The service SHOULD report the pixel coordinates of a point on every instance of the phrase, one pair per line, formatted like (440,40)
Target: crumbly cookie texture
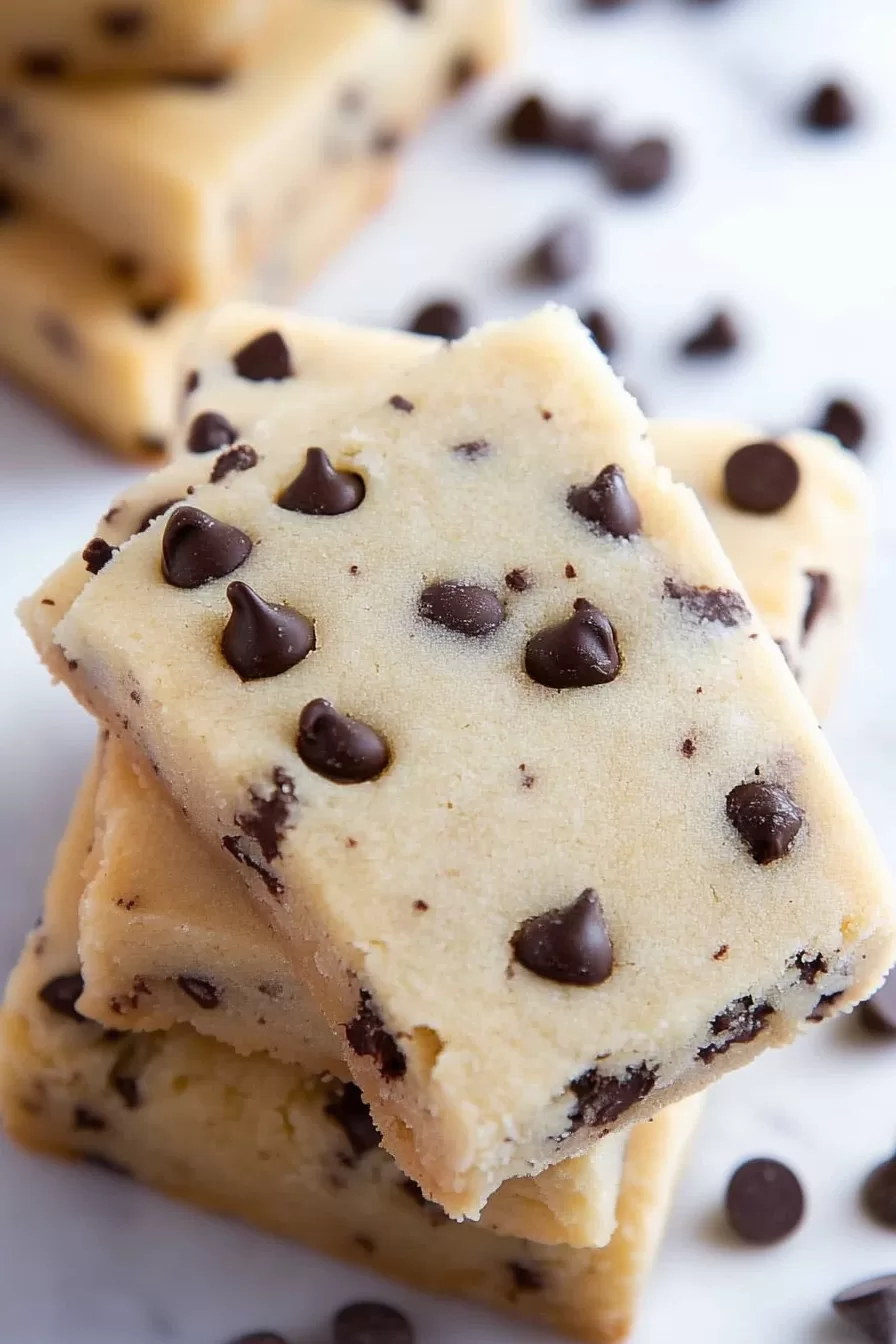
(189,181)
(509,600)
(293,1153)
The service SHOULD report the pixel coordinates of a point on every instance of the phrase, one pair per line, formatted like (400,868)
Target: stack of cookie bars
(159,156)
(457,816)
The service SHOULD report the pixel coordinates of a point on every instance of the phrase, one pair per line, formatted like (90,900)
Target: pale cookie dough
(495,823)
(189,183)
(293,1153)
(52,39)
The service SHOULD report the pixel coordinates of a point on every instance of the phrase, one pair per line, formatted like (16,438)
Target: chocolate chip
(266,358)
(602,1098)
(738,1024)
(764,1201)
(463,607)
(473,451)
(235,846)
(878,1014)
(59,335)
(202,992)
(196,548)
(386,142)
(210,431)
(321,490)
(721,952)
(411,6)
(62,993)
(640,167)
(125,1072)
(341,749)
(845,421)
(155,512)
(600,329)
(579,652)
(367,1035)
(241,458)
(879,1194)
(122,22)
(824,1007)
(270,814)
(561,254)
(263,639)
(830,107)
(719,606)
(526,1279)
(463,69)
(97,554)
(152,311)
(871,1308)
(688,748)
(607,503)
(352,1114)
(191,382)
(8,203)
(766,818)
(761,477)
(569,945)
(570,572)
(809,967)
(442,317)
(536,124)
(84,1118)
(718,336)
(43,63)
(518,580)
(401,404)
(371,1323)
(819,597)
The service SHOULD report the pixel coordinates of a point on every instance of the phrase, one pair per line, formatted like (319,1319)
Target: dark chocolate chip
(600,329)
(84,1118)
(845,421)
(442,317)
(122,22)
(210,431)
(321,490)
(640,167)
(411,6)
(830,107)
(202,992)
(372,1322)
(878,1014)
(718,336)
(579,652)
(241,458)
(43,63)
(738,1024)
(152,311)
(124,1074)
(463,69)
(601,1098)
(561,254)
(155,512)
(526,1279)
(367,1035)
(197,548)
(569,945)
(341,749)
(518,580)
(761,477)
(473,451)
(8,203)
(401,404)
(463,607)
(764,1201)
(265,358)
(263,639)
(269,815)
(97,554)
(825,1006)
(59,335)
(718,606)
(879,1194)
(819,597)
(191,382)
(535,123)
(62,993)
(352,1114)
(607,503)
(688,748)
(871,1308)
(766,818)
(809,967)
(235,846)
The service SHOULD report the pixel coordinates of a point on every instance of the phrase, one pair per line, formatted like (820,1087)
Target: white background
(796,233)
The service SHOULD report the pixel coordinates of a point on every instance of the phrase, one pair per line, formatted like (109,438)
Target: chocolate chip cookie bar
(294,1153)
(199,39)
(494,574)
(187,183)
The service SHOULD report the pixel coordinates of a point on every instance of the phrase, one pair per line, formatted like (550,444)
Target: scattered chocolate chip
(265,358)
(196,548)
(766,818)
(569,945)
(411,6)
(367,1035)
(152,311)
(600,329)
(43,63)
(463,69)
(352,1114)
(463,607)
(845,421)
(871,1308)
(84,1118)
(638,168)
(579,652)
(824,1007)
(210,431)
(570,572)
(718,336)
(241,458)
(607,503)
(809,967)
(764,1201)
(191,382)
(819,597)
(830,107)
(8,203)
(401,404)
(341,749)
(526,1279)
(62,993)
(561,254)
(688,748)
(263,639)
(738,1024)
(879,1194)
(122,22)
(202,992)
(371,1322)
(321,490)
(443,318)
(718,606)
(601,1099)
(878,1014)
(155,512)
(97,554)
(270,814)
(761,477)
(518,580)
(59,335)
(235,846)
(125,1072)
(420,906)
(536,124)
(720,953)
(473,451)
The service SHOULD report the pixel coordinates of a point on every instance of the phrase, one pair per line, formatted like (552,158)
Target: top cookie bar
(505,651)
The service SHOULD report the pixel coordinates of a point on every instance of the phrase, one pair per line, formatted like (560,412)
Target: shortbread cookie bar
(187,184)
(293,1153)
(467,586)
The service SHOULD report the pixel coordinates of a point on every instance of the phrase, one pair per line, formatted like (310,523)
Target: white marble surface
(797,234)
